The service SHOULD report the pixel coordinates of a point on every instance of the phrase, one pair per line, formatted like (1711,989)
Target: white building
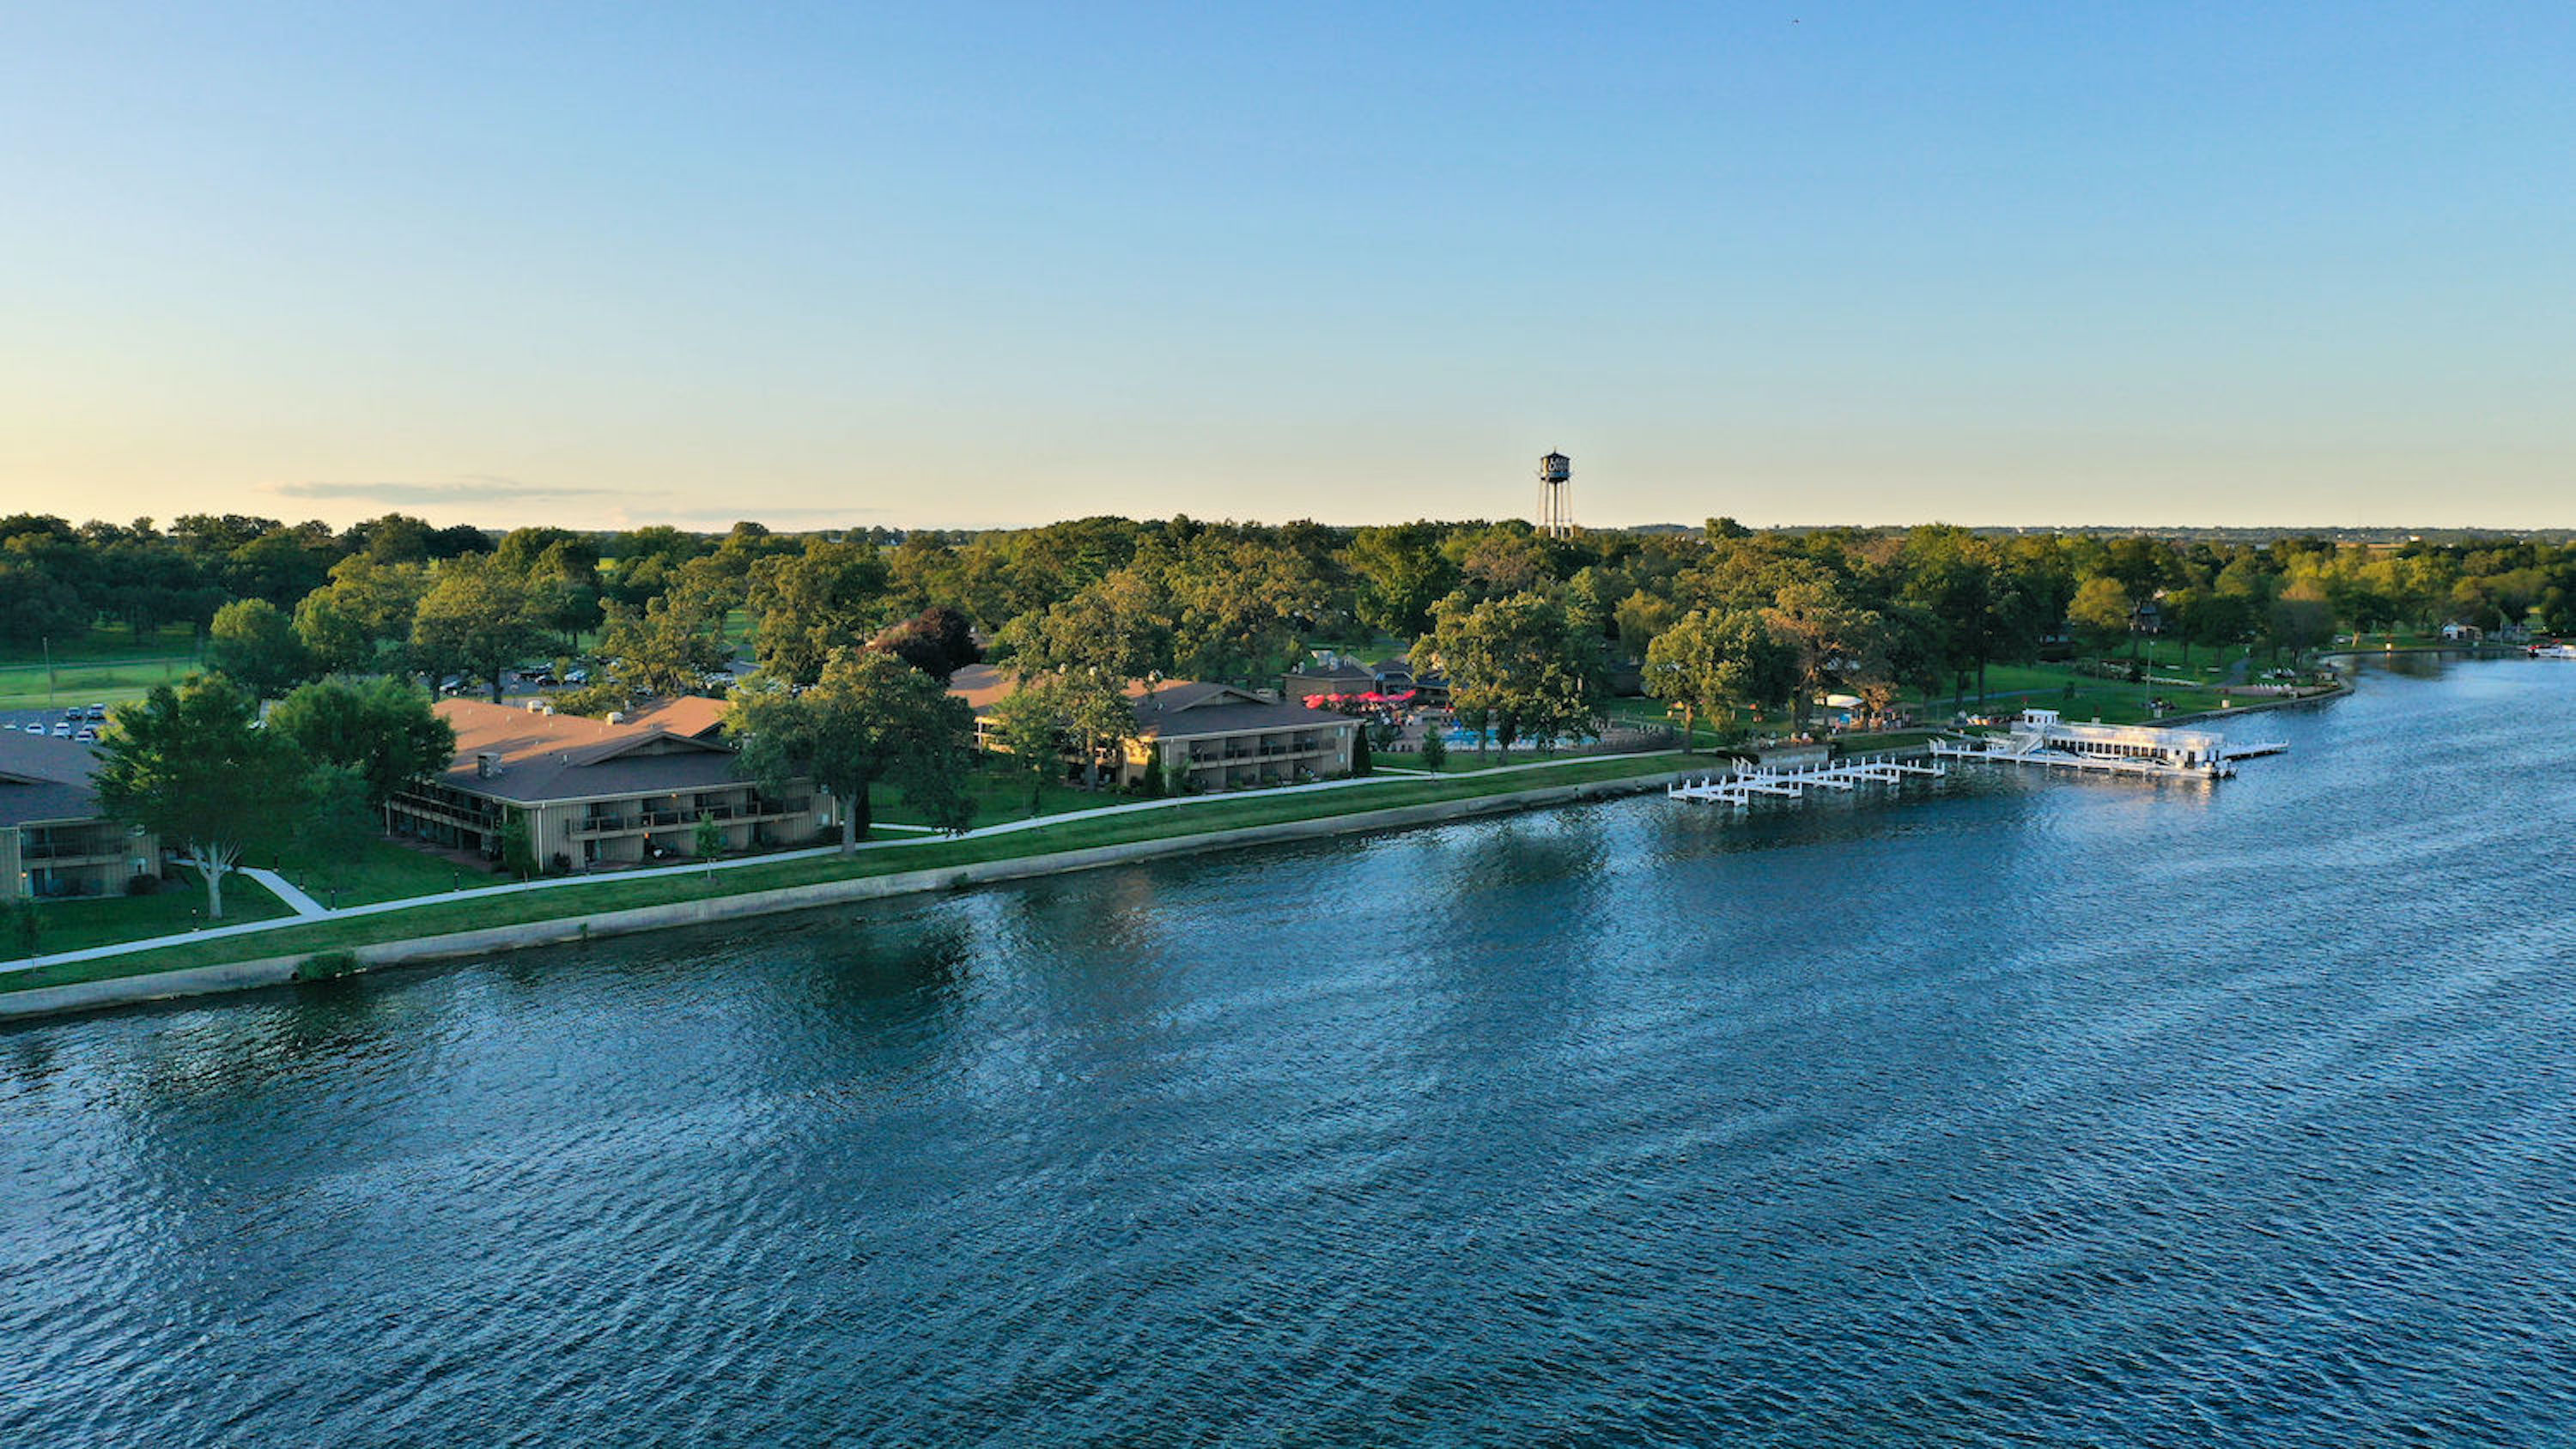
(2042,732)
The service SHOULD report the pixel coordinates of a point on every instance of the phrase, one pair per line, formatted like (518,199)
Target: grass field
(33,686)
(104,666)
(380,870)
(180,905)
(1000,795)
(621,893)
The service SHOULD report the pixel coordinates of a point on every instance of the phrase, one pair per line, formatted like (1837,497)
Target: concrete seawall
(276,970)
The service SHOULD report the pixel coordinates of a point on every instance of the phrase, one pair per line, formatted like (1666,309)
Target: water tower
(1555,507)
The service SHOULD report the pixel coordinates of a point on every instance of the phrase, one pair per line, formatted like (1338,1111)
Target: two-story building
(594,792)
(1201,737)
(53,840)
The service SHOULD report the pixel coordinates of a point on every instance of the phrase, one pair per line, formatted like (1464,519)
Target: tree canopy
(192,766)
(869,717)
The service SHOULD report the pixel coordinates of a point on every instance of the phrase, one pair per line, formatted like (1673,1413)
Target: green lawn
(1000,794)
(33,686)
(2011,687)
(1255,808)
(104,666)
(380,870)
(103,644)
(180,905)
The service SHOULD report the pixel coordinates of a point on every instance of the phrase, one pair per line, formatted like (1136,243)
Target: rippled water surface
(2016,1110)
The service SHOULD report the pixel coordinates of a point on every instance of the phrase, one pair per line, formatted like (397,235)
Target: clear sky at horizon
(947,265)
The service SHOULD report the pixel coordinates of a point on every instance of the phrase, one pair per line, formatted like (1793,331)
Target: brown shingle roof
(1171,709)
(693,715)
(566,757)
(982,686)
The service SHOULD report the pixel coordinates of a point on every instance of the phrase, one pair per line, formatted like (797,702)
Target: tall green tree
(476,618)
(669,646)
(830,596)
(869,717)
(1032,726)
(385,731)
(192,766)
(1237,606)
(1517,667)
(358,622)
(2100,614)
(253,642)
(333,828)
(1836,643)
(1401,573)
(1709,663)
(938,641)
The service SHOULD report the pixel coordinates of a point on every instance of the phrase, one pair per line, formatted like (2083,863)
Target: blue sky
(999,264)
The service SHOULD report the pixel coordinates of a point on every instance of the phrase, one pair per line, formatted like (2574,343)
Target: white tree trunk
(215,864)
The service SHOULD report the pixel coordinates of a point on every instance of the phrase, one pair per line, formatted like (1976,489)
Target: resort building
(53,841)
(1330,674)
(2042,732)
(593,792)
(1198,737)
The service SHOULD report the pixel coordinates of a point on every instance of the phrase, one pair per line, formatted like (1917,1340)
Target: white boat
(2553,651)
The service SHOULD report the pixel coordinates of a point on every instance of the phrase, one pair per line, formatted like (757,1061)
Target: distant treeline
(1186,598)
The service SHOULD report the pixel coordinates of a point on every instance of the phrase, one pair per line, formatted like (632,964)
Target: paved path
(302,916)
(303,904)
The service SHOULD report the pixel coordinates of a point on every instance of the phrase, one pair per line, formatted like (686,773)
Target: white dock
(1738,787)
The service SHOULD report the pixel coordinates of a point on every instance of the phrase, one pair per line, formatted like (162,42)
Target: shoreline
(278,968)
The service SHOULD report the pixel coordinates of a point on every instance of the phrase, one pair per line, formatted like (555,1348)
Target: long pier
(1738,787)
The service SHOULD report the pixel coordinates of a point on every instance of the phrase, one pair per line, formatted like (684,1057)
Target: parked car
(577,676)
(62,731)
(87,736)
(98,712)
(35,729)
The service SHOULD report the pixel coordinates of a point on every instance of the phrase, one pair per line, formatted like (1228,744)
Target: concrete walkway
(308,910)
(302,904)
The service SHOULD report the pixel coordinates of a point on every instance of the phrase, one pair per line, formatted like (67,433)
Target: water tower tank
(1555,468)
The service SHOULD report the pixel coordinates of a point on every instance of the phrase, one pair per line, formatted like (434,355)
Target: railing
(1264,750)
(49,850)
(596,825)
(471,820)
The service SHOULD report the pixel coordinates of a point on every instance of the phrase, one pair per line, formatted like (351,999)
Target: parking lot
(19,719)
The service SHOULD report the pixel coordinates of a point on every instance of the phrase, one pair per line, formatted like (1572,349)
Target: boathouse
(2042,730)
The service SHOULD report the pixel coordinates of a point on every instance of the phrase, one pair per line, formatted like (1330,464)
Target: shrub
(328,966)
(142,883)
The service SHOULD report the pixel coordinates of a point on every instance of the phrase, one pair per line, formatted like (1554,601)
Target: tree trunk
(854,820)
(1688,715)
(207,864)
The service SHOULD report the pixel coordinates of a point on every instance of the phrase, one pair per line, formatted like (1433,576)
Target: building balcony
(645,822)
(1265,750)
(76,845)
(463,817)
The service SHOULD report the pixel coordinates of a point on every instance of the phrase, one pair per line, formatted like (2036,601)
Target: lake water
(2018,1109)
